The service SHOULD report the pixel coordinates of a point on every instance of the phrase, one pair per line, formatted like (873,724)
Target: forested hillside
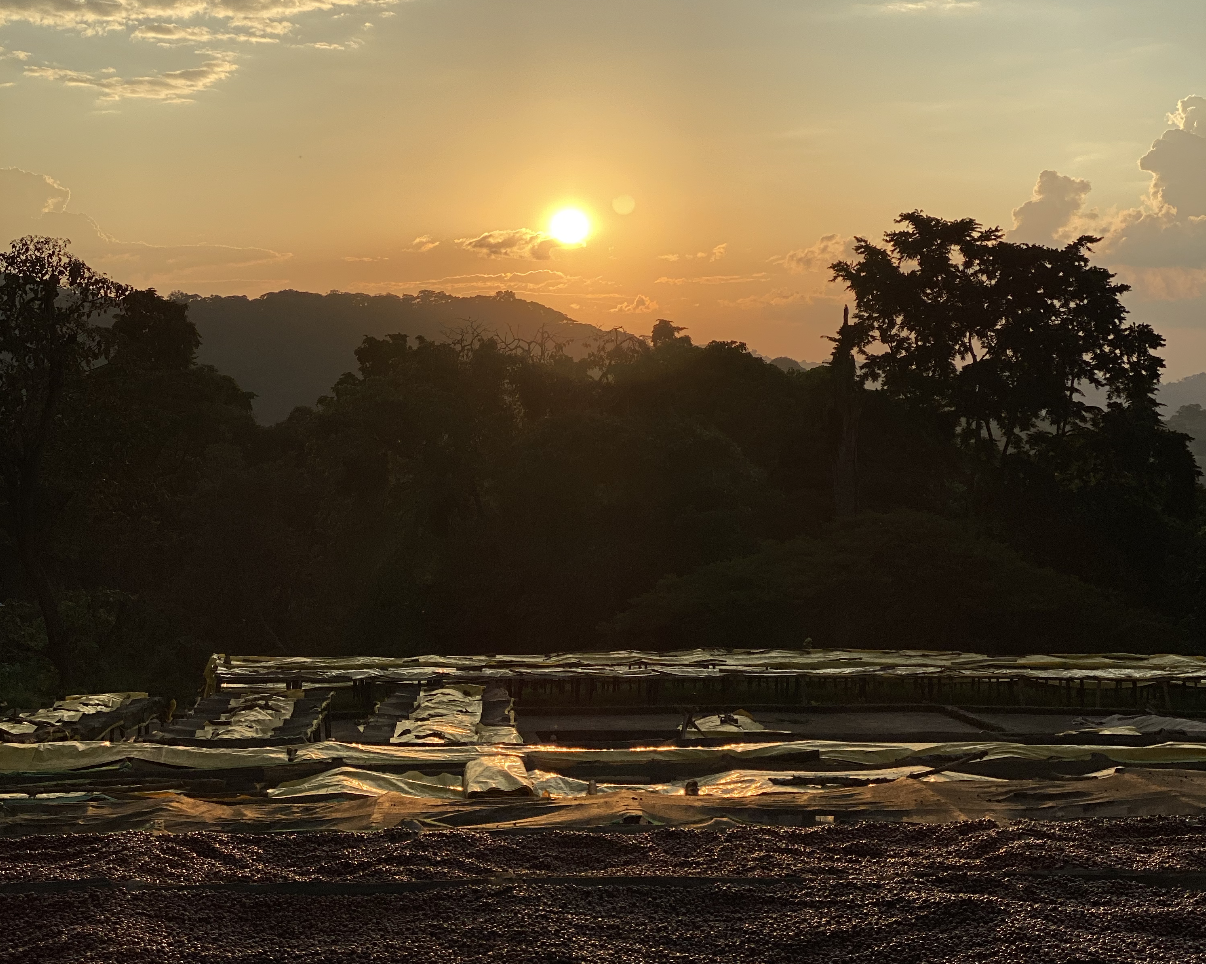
(939,483)
(288,347)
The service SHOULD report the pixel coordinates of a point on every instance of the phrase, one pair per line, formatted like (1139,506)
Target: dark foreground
(1123,890)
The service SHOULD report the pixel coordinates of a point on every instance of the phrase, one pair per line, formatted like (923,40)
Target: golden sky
(242,146)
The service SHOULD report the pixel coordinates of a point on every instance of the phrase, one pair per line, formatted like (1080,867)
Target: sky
(725,151)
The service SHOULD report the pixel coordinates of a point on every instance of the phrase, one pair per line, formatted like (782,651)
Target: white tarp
(253,716)
(348,781)
(497,775)
(1112,668)
(74,708)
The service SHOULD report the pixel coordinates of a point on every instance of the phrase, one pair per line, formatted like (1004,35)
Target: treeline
(939,484)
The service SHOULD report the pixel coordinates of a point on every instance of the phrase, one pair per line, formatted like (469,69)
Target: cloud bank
(32,203)
(1158,246)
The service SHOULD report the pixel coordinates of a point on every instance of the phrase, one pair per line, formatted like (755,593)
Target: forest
(942,482)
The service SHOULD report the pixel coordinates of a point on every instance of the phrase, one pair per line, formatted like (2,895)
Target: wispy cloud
(715,254)
(172,23)
(174,35)
(173,86)
(818,257)
(424,242)
(779,297)
(929,6)
(103,16)
(716,279)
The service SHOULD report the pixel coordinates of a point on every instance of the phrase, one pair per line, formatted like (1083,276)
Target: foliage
(491,490)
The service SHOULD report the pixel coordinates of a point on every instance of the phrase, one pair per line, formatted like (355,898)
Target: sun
(569,226)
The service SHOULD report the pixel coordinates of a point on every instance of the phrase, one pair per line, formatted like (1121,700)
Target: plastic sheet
(490,776)
(1139,726)
(1109,667)
(348,781)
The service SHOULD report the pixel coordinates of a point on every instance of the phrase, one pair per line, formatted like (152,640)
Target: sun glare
(569,226)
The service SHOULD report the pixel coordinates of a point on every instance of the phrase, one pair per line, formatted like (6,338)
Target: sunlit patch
(624,204)
(569,226)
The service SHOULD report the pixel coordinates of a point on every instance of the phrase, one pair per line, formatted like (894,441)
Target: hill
(289,347)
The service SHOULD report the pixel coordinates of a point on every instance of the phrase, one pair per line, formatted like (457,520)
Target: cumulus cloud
(32,203)
(830,248)
(638,306)
(173,86)
(1159,246)
(424,242)
(1055,202)
(1177,160)
(515,243)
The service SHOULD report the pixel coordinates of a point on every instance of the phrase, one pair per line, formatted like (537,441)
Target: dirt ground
(1120,890)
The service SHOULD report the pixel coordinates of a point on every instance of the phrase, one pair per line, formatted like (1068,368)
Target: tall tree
(992,339)
(48,302)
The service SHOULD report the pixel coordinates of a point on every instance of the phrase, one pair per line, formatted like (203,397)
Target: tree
(48,300)
(991,339)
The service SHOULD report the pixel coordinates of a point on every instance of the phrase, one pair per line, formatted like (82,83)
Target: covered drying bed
(56,787)
(249,718)
(721,679)
(98,716)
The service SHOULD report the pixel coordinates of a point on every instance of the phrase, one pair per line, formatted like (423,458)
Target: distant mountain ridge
(290,347)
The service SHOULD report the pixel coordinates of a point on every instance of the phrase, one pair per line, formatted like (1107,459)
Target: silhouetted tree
(48,300)
(992,339)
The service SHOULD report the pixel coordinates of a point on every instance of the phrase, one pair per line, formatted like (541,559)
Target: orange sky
(250,145)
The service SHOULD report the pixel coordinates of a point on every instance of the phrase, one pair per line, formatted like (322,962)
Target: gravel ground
(1126,890)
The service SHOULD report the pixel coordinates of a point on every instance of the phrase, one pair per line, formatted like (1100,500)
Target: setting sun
(569,226)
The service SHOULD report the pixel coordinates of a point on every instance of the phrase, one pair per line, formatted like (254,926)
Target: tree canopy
(939,483)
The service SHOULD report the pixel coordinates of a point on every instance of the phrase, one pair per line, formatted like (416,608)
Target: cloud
(639,305)
(172,35)
(1165,284)
(424,243)
(717,279)
(1159,246)
(173,86)
(929,6)
(772,299)
(1055,202)
(26,196)
(830,248)
(102,16)
(1177,160)
(170,23)
(515,243)
(715,254)
(33,203)
(14,54)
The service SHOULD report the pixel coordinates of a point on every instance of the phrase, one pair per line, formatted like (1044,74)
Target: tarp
(497,775)
(348,781)
(1107,667)
(1119,725)
(1127,793)
(73,755)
